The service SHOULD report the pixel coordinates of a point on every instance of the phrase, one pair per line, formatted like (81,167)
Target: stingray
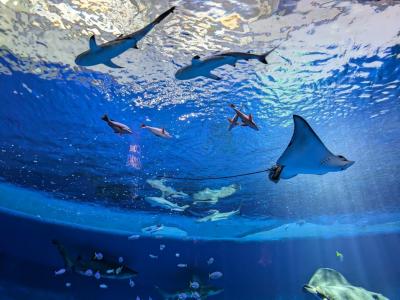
(328,284)
(306,154)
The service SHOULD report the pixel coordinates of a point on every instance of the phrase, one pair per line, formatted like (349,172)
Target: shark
(306,154)
(106,269)
(164,203)
(104,53)
(117,126)
(216,215)
(211,196)
(203,67)
(202,293)
(247,120)
(166,191)
(329,284)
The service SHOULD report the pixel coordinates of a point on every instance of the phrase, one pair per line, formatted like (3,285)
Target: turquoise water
(65,175)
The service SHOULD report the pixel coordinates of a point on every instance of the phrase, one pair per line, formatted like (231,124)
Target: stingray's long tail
(213,178)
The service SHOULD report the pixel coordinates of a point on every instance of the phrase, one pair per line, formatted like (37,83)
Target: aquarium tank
(189,149)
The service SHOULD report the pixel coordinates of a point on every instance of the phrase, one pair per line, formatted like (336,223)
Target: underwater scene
(221,149)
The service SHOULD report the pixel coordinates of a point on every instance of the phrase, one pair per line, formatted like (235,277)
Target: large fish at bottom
(102,54)
(104,268)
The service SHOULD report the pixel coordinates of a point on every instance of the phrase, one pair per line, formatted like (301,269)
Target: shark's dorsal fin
(92,43)
(195,59)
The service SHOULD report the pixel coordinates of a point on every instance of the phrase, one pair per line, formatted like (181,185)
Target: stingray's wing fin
(305,150)
(287,174)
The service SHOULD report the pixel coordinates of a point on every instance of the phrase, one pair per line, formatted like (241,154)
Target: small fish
(98,256)
(210,261)
(131,283)
(182,265)
(177,255)
(137,298)
(194,285)
(182,296)
(103,286)
(117,126)
(120,259)
(196,295)
(89,272)
(118,270)
(134,237)
(59,272)
(68,284)
(162,247)
(160,132)
(153,256)
(110,271)
(97,275)
(215,275)
(339,255)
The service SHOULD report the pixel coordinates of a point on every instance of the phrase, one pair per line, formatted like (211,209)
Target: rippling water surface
(337,66)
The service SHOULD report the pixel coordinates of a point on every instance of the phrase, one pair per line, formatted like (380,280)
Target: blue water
(64,175)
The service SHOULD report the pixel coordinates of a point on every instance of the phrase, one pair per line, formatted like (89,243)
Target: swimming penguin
(104,53)
(116,126)
(160,132)
(247,120)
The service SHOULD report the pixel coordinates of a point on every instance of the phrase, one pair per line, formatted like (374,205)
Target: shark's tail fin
(263,57)
(105,118)
(163,15)
(232,105)
(185,207)
(67,260)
